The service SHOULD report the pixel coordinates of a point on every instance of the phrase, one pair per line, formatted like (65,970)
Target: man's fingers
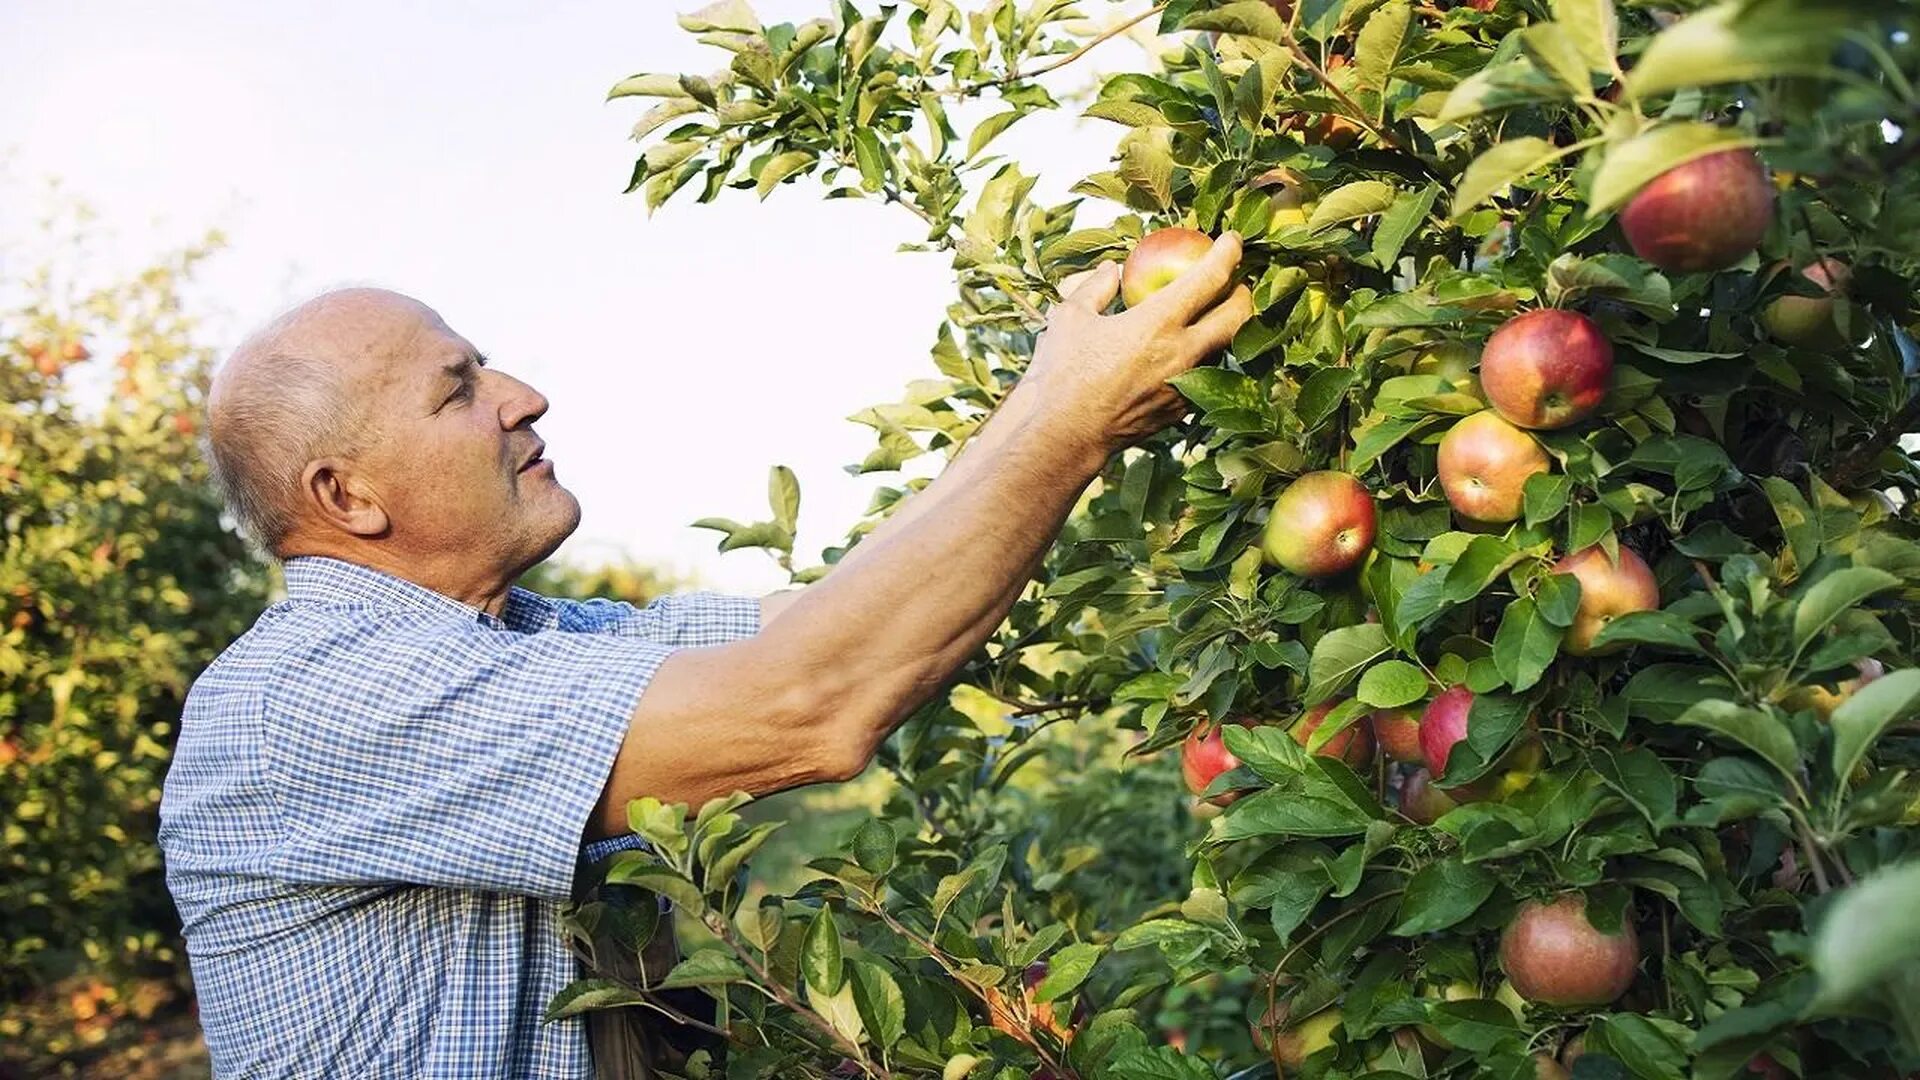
(1216,328)
(1092,290)
(1196,289)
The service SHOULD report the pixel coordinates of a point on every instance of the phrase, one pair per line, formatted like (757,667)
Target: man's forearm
(928,587)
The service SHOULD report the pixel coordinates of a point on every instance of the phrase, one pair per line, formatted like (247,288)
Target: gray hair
(264,424)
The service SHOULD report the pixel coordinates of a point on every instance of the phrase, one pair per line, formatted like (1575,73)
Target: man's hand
(1105,376)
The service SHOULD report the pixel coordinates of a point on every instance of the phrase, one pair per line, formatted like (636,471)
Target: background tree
(1580,367)
(118,581)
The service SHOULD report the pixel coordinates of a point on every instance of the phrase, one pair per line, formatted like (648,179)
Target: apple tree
(1526,600)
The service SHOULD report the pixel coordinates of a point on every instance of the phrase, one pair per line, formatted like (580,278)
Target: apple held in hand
(1607,590)
(1484,463)
(1546,369)
(1706,214)
(1321,525)
(1807,321)
(1353,744)
(1556,957)
(1157,259)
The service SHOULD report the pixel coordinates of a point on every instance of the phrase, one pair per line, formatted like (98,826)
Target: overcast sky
(462,153)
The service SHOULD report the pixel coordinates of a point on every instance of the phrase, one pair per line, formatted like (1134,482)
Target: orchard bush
(1529,596)
(118,582)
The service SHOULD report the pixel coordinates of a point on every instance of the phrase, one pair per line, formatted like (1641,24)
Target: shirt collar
(328,580)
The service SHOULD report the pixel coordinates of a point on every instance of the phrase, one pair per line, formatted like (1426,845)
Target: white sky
(462,153)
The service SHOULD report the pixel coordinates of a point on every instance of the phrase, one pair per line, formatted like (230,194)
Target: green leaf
(1322,393)
(1558,596)
(1483,561)
(1638,1043)
(1740,41)
(1593,27)
(1378,46)
(780,168)
(988,129)
(1492,723)
(708,967)
(1176,933)
(783,495)
(1797,519)
(1067,969)
(1867,934)
(1390,684)
(1641,778)
(1751,728)
(1215,389)
(1502,86)
(1663,692)
(1475,1025)
(1275,812)
(665,86)
(1359,199)
(657,878)
(1126,111)
(820,962)
(1554,52)
(1404,218)
(1545,495)
(1832,596)
(1734,788)
(1525,644)
(1247,18)
(1340,655)
(883,1008)
(1860,720)
(1442,894)
(725,16)
(1515,159)
(1631,165)
(721,870)
(1661,629)
(585,995)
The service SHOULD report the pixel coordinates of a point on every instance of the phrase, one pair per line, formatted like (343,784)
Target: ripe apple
(1204,756)
(1706,214)
(1353,745)
(1606,590)
(1398,733)
(1321,525)
(1442,724)
(183,423)
(48,365)
(1453,361)
(1484,463)
(1421,801)
(1457,990)
(73,352)
(1808,320)
(1287,196)
(1291,1045)
(1546,368)
(1157,259)
(1556,957)
(1823,701)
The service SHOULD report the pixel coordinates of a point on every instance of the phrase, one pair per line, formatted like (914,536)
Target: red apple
(1353,745)
(1556,957)
(1808,320)
(1706,214)
(1606,590)
(1029,1015)
(1321,525)
(1205,756)
(1443,724)
(1547,368)
(1484,463)
(73,352)
(1398,733)
(1423,802)
(1157,259)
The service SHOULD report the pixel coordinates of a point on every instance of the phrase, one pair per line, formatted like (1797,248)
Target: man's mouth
(539,455)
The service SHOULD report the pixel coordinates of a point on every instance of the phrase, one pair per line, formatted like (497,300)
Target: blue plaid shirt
(374,816)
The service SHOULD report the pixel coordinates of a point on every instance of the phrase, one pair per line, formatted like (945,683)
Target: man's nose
(520,404)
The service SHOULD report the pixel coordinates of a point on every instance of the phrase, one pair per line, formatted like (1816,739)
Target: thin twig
(1013,77)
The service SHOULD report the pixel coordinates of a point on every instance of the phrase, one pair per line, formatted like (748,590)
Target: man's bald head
(295,391)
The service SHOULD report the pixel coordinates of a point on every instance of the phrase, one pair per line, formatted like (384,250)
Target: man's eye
(464,392)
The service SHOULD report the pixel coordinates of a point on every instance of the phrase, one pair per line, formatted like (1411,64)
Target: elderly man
(381,792)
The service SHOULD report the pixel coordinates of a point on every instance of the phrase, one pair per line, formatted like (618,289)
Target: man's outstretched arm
(812,695)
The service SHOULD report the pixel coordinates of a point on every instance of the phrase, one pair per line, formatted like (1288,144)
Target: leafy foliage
(118,582)
(1711,773)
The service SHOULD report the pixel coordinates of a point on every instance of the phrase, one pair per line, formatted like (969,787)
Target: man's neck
(464,576)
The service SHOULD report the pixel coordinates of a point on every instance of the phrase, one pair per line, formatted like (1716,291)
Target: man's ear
(340,499)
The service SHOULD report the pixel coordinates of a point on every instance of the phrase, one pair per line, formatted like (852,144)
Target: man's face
(452,453)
